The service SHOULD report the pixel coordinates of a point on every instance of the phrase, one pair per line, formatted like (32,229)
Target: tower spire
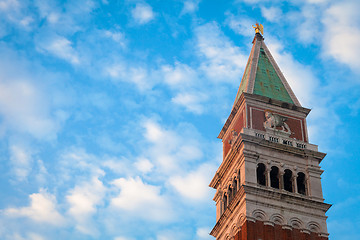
(262,75)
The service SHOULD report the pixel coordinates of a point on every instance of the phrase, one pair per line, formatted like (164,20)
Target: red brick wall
(257,230)
(238,126)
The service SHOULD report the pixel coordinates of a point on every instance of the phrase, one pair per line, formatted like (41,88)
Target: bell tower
(268,185)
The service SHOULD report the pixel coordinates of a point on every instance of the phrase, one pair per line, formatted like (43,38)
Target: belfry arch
(260,174)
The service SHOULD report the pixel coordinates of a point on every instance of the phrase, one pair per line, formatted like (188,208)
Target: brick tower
(268,185)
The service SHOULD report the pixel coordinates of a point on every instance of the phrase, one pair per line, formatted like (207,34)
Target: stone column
(221,206)
(294,183)
(281,179)
(267,177)
(307,187)
(238,180)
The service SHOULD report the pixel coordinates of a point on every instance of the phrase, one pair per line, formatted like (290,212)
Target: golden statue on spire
(259,28)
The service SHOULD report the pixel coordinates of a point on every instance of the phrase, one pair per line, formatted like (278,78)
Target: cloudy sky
(109,110)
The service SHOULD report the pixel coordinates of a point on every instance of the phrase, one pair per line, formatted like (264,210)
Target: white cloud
(194,185)
(223,61)
(307,23)
(9,4)
(117,165)
(190,6)
(184,80)
(29,236)
(15,13)
(21,161)
(116,37)
(203,233)
(172,234)
(272,14)
(317,1)
(137,75)
(240,24)
(168,149)
(255,1)
(83,201)
(34,236)
(142,13)
(154,133)
(65,18)
(116,71)
(42,173)
(193,102)
(56,16)
(75,160)
(180,75)
(25,109)
(144,165)
(43,209)
(163,144)
(121,238)
(84,198)
(342,33)
(60,47)
(26,21)
(141,200)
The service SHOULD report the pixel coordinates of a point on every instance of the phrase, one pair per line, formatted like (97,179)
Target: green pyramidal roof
(263,77)
(243,84)
(267,82)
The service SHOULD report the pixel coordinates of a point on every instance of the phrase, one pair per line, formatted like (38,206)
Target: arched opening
(260,173)
(287,180)
(224,203)
(235,187)
(274,177)
(230,195)
(300,180)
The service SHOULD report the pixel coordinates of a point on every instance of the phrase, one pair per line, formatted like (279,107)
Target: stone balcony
(280,137)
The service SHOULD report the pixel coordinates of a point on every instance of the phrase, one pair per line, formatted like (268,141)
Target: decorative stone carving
(314,227)
(259,215)
(296,223)
(234,135)
(273,121)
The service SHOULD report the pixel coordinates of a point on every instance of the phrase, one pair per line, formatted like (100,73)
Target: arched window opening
(225,203)
(260,173)
(274,177)
(300,180)
(230,195)
(287,180)
(235,187)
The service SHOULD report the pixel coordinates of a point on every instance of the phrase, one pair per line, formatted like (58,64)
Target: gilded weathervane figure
(259,28)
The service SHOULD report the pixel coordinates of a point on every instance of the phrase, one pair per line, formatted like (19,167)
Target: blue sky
(109,110)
